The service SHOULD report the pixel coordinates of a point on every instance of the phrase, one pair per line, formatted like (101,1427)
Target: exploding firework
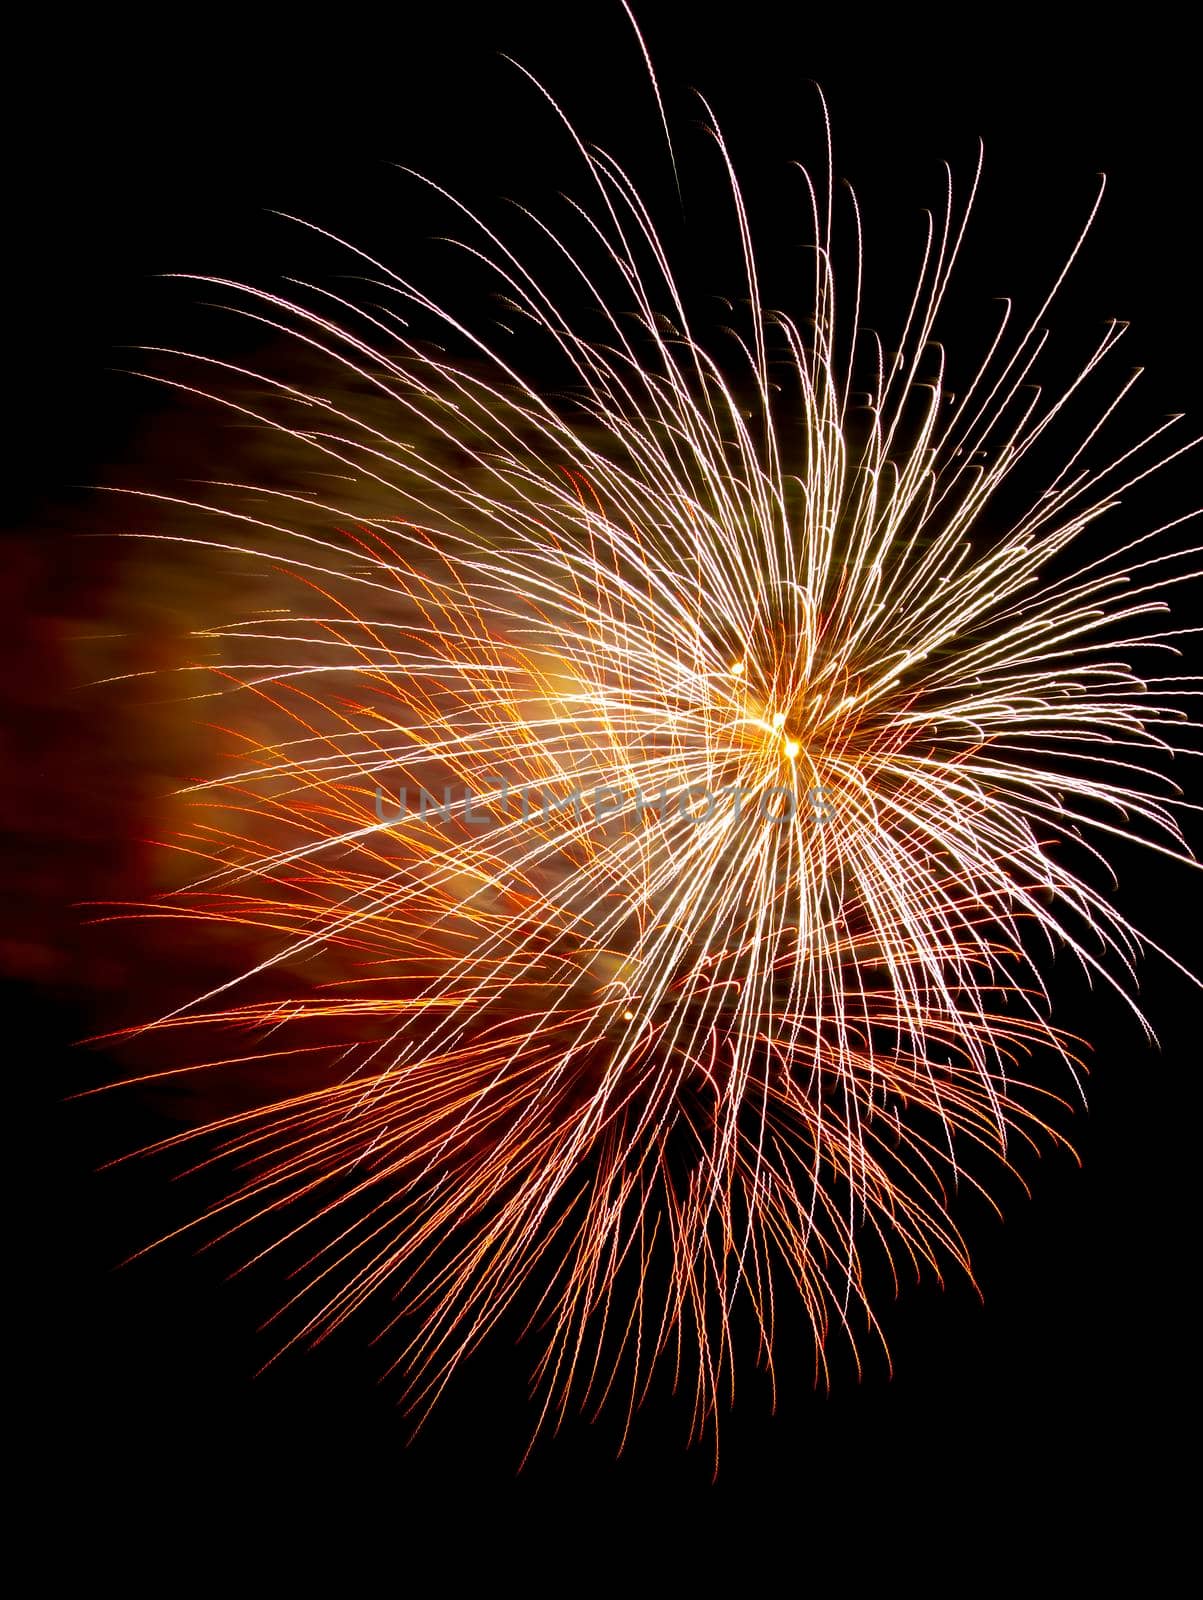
(650,796)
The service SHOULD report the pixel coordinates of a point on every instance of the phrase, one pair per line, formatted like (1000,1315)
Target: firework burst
(673,787)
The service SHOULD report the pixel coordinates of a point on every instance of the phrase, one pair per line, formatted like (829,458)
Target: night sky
(1054,1406)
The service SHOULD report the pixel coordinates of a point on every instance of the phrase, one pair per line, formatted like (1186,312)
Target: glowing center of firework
(790,745)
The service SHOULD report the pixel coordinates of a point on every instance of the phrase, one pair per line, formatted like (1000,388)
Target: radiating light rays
(677,813)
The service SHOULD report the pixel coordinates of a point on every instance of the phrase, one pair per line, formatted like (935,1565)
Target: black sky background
(1053,1409)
